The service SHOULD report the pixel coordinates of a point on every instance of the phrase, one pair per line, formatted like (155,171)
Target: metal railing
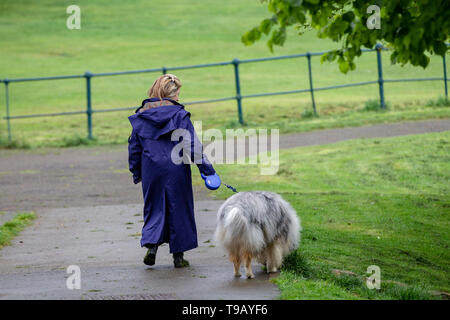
(238,97)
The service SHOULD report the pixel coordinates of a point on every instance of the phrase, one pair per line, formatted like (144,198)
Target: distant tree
(413,29)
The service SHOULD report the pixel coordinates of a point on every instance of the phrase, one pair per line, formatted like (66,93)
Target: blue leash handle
(213,182)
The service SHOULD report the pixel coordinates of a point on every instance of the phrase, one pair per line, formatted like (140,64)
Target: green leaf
(407,40)
(270,44)
(352,65)
(300,16)
(296,3)
(348,16)
(394,57)
(329,56)
(439,47)
(251,36)
(279,36)
(266,25)
(343,65)
(272,6)
(423,61)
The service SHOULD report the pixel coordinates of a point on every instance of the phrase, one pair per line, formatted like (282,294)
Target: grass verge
(11,228)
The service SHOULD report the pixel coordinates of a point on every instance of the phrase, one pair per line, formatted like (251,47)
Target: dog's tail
(237,233)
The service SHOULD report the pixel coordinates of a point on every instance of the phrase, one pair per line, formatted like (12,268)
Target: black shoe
(150,257)
(179,261)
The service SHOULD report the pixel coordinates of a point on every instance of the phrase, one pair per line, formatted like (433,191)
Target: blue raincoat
(166,186)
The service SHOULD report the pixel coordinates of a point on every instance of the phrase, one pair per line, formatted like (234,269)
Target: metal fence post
(88,77)
(238,89)
(311,89)
(379,47)
(164,70)
(8,124)
(445,76)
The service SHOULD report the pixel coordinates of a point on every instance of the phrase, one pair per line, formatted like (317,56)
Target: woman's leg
(178,260)
(150,257)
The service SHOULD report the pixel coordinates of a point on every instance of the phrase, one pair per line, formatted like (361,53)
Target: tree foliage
(413,29)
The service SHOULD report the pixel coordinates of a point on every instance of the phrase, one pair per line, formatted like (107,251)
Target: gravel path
(89,214)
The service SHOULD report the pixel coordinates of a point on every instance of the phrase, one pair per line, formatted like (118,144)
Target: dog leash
(229,187)
(213,182)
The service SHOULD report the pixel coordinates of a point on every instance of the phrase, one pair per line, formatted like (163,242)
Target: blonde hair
(166,86)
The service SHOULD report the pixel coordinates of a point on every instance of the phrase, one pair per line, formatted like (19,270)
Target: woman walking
(166,184)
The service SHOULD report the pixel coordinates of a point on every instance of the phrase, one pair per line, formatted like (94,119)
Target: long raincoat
(166,184)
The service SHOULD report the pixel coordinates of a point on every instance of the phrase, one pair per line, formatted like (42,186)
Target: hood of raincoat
(158,120)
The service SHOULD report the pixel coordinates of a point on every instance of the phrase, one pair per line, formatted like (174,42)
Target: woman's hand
(137,180)
(212,182)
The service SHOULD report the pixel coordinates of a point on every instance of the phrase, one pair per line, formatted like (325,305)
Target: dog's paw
(237,275)
(273,270)
(250,275)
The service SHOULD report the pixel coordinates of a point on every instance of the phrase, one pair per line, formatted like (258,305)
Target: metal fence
(238,97)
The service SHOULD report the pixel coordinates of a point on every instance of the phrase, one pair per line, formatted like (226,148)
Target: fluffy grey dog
(260,225)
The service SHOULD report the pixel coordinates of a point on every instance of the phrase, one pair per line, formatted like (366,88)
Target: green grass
(11,228)
(364,202)
(439,102)
(374,105)
(125,35)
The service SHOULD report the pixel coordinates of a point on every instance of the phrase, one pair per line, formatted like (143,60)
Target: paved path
(104,242)
(374,131)
(89,214)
